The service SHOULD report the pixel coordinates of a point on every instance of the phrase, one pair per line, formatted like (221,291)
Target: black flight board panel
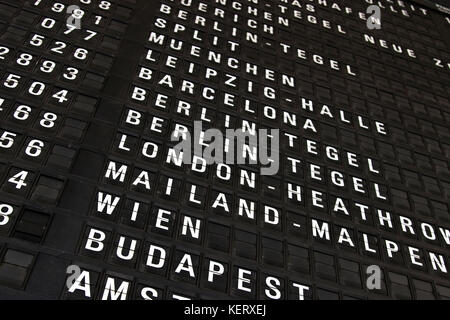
(98,202)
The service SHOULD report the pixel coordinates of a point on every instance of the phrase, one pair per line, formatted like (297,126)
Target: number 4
(18,179)
(61,96)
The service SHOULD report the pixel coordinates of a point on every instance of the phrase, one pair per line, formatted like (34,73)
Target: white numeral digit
(49,120)
(98,19)
(22,112)
(36,88)
(19,179)
(59,46)
(24,59)
(3,51)
(105,5)
(48,23)
(71,73)
(48,66)
(78,14)
(37,40)
(70,28)
(5,211)
(91,35)
(58,7)
(61,96)
(80,54)
(7,139)
(34,148)
(12,81)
